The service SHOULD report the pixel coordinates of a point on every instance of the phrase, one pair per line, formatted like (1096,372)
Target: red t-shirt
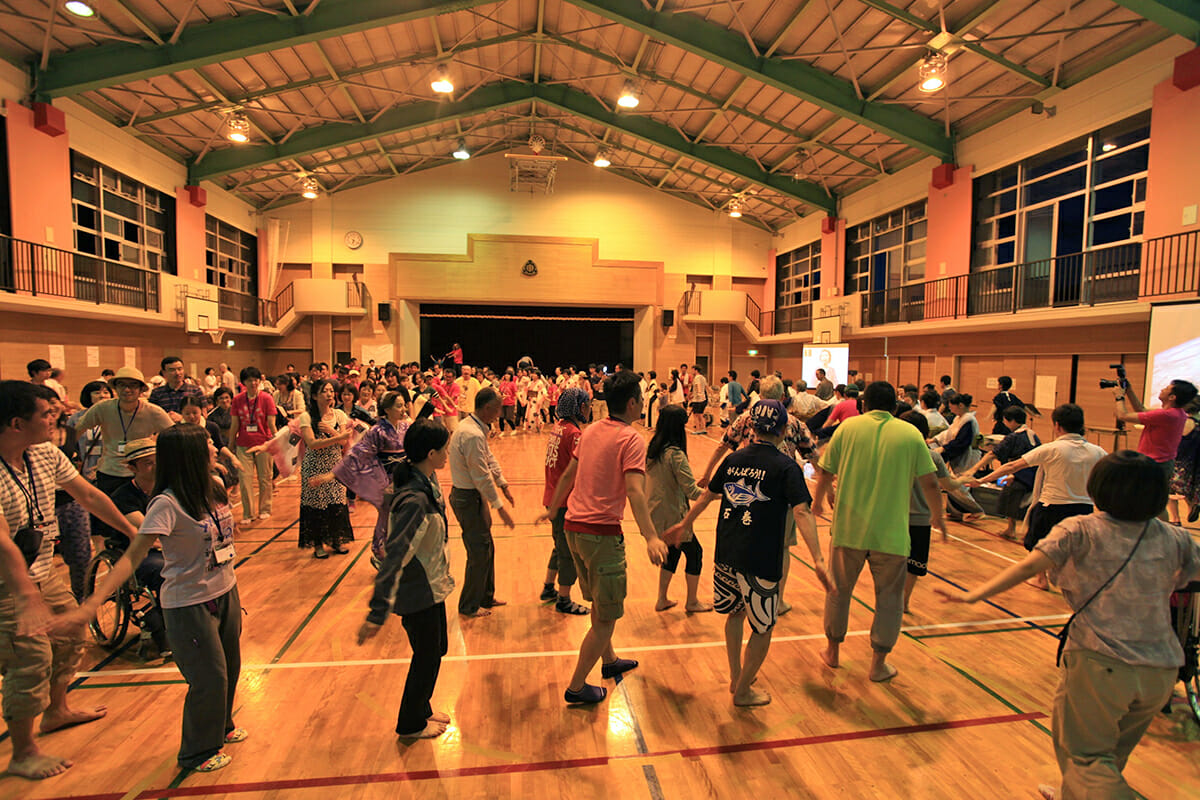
(1164,428)
(563,444)
(842,411)
(508,393)
(253,416)
(606,451)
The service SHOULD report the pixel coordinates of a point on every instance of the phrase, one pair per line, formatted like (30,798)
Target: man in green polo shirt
(876,459)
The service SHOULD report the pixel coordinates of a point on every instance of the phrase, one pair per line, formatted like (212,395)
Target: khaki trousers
(888,572)
(260,464)
(1101,709)
(31,665)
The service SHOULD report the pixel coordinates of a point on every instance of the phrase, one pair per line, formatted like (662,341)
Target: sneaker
(586,696)
(566,605)
(548,594)
(618,667)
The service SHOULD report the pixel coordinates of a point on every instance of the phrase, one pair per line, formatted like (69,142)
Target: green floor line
(320,603)
(982,630)
(131,684)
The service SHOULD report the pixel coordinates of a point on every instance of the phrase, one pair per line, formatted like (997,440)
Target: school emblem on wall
(530,269)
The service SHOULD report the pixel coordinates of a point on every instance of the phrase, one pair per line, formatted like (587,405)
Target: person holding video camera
(1162,428)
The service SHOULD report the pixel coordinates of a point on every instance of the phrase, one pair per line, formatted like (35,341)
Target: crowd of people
(156,467)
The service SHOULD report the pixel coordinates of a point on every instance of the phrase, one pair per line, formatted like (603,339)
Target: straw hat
(139,448)
(129,374)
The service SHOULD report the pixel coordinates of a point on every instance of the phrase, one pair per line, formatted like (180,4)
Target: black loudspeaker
(668,317)
(385,312)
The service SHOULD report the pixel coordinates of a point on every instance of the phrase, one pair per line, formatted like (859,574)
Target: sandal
(237,735)
(219,761)
(320,554)
(339,551)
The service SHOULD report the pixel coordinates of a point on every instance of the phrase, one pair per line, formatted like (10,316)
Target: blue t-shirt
(735,393)
(759,486)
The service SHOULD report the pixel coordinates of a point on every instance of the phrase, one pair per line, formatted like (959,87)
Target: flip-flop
(320,554)
(237,735)
(219,761)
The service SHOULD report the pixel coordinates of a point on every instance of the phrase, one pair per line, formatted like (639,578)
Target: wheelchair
(130,603)
(1185,613)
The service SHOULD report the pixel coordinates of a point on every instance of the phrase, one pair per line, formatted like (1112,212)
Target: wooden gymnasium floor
(968,715)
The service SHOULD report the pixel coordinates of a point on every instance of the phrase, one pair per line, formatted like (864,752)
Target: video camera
(1122,381)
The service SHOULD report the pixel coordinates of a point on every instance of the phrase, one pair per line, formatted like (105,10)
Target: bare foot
(884,672)
(663,605)
(751,697)
(784,607)
(494,603)
(38,766)
(440,716)
(733,684)
(479,612)
(830,657)
(432,728)
(64,719)
(697,607)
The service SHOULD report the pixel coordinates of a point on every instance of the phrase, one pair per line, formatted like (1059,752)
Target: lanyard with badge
(222,550)
(28,537)
(125,428)
(252,425)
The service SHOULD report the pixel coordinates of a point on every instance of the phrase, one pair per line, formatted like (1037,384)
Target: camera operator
(1162,427)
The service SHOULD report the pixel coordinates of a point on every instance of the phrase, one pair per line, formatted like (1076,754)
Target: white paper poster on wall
(381,353)
(130,357)
(1045,392)
(93,357)
(58,356)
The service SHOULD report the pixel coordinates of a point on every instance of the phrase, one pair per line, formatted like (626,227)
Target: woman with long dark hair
(190,517)
(414,579)
(324,515)
(670,488)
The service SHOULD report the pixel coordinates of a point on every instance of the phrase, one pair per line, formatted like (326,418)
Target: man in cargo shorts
(609,467)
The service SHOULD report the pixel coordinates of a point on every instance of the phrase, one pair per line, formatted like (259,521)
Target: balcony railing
(1172,266)
(691,302)
(246,309)
(356,295)
(38,270)
(786,320)
(754,313)
(1080,279)
(285,300)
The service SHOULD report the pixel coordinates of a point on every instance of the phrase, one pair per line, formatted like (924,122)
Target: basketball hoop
(217,334)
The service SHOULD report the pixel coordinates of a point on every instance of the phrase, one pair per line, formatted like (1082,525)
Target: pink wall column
(1173,182)
(39,168)
(189,237)
(948,241)
(833,260)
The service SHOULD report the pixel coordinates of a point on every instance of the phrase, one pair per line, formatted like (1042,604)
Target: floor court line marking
(984,549)
(574,763)
(562,653)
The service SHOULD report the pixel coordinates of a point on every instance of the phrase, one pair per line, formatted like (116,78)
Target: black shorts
(1043,518)
(918,549)
(698,408)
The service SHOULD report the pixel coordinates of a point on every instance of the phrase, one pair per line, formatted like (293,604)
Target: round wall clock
(354,240)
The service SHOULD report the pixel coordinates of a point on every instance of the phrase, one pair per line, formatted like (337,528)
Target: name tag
(223,554)
(251,429)
(120,448)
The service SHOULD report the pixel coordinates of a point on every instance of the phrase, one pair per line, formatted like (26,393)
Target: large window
(120,219)
(1084,194)
(888,251)
(797,286)
(232,257)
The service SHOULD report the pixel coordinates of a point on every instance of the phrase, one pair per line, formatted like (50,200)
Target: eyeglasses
(124,385)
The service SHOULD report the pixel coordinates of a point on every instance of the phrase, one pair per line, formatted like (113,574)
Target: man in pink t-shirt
(253,414)
(609,467)
(1163,427)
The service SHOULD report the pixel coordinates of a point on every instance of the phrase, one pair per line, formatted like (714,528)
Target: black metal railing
(35,269)
(787,320)
(691,302)
(246,309)
(1080,279)
(285,299)
(1171,265)
(356,295)
(754,313)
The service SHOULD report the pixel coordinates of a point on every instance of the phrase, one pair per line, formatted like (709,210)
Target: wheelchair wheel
(112,617)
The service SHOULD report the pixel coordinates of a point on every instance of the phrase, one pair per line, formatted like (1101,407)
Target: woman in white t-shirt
(189,516)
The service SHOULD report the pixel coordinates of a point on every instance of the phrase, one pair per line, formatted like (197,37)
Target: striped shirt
(49,469)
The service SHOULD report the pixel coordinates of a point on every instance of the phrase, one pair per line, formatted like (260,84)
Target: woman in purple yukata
(366,469)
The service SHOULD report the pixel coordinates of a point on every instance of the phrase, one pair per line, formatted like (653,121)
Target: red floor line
(546,766)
